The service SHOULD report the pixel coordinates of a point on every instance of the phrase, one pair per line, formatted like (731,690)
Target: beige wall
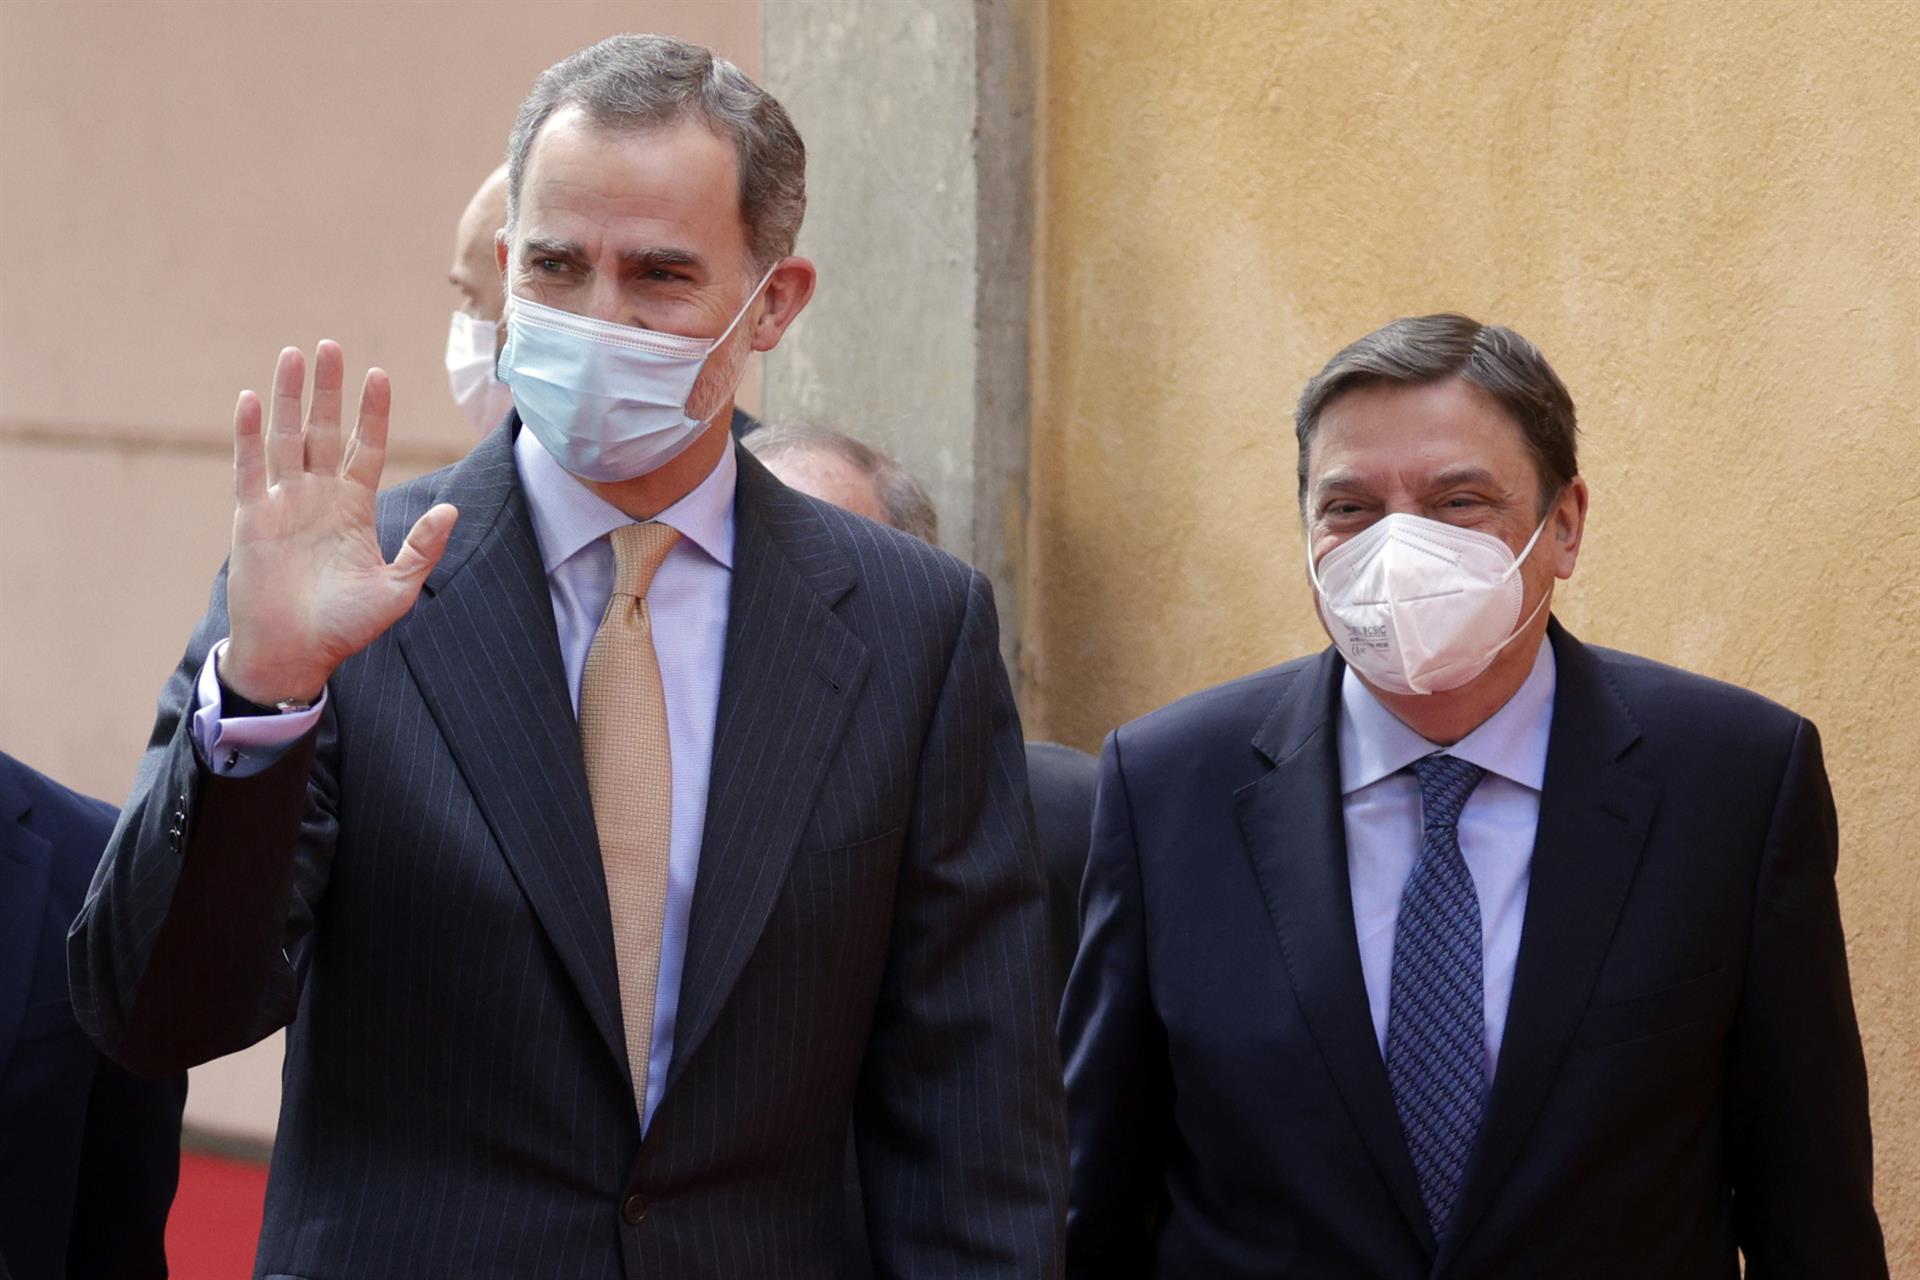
(1708,224)
(190,187)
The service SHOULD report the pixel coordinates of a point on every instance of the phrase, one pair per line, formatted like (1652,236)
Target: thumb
(424,545)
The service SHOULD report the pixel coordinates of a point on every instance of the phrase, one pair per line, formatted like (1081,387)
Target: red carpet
(216,1218)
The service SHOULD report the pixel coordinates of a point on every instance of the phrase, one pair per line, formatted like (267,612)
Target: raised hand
(307,586)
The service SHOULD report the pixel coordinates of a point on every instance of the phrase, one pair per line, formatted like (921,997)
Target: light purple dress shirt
(688,603)
(1380,802)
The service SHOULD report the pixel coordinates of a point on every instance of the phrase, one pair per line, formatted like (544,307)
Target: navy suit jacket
(89,1155)
(420,882)
(1681,1073)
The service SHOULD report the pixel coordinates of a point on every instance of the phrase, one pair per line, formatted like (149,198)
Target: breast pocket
(847,866)
(1665,1009)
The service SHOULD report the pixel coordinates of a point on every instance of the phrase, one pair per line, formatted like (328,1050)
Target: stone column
(917,115)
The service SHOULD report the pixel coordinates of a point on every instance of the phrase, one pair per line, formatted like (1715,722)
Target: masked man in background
(628,844)
(1462,949)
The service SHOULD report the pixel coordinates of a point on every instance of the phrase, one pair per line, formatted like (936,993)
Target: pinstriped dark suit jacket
(419,882)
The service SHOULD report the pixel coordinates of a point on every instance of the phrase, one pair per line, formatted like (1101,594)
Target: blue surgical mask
(608,401)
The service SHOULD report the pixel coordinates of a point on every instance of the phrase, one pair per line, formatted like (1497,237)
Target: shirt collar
(1512,742)
(568,516)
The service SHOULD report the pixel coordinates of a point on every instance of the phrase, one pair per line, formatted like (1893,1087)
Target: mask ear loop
(740,315)
(1528,549)
(1514,568)
(726,333)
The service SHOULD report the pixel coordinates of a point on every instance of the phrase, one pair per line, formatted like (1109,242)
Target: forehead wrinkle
(1464,473)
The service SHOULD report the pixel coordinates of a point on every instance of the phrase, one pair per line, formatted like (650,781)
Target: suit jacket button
(633,1211)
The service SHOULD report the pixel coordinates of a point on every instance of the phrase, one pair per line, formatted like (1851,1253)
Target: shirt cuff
(241,746)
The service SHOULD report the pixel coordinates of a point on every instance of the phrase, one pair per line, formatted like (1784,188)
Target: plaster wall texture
(191,186)
(1703,215)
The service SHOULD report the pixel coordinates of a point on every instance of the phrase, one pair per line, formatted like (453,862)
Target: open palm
(307,585)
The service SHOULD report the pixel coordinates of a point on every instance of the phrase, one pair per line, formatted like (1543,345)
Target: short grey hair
(903,498)
(1497,360)
(644,82)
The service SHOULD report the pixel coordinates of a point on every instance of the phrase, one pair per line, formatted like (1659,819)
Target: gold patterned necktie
(623,731)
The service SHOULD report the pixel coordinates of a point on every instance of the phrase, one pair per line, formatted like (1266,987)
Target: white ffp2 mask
(1420,606)
(608,401)
(471,343)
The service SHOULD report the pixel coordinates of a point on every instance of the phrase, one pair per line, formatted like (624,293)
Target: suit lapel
(482,647)
(26,863)
(791,674)
(1296,835)
(1595,809)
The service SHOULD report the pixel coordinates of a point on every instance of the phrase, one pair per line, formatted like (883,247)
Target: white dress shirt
(1380,801)
(687,602)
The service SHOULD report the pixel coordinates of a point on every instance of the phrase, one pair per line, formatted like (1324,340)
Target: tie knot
(638,550)
(1445,783)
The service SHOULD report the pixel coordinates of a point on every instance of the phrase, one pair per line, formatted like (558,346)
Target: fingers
(285,455)
(288,449)
(249,451)
(323,415)
(367,455)
(423,547)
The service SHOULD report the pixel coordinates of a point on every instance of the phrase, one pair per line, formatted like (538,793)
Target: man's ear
(500,249)
(788,291)
(1569,525)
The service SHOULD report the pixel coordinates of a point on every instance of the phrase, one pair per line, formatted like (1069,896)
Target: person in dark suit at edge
(477,329)
(89,1154)
(628,845)
(835,467)
(1462,949)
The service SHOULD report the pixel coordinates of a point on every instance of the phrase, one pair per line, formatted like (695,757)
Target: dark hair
(1497,360)
(639,82)
(903,498)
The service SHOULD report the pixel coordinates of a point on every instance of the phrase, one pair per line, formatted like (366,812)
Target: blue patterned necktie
(1436,1015)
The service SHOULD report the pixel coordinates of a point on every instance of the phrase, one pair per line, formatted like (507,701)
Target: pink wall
(189,187)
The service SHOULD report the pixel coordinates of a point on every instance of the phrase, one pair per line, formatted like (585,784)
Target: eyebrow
(1340,482)
(654,259)
(546,247)
(1450,477)
(635,260)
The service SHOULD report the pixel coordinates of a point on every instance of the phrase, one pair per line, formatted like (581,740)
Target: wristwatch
(235,704)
